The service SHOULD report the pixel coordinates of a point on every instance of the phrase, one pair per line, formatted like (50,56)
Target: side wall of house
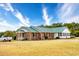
(63,34)
(66,34)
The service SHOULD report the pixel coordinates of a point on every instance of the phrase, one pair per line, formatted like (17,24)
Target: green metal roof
(42,29)
(26,29)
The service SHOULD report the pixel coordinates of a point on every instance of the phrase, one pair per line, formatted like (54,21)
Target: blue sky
(34,11)
(15,15)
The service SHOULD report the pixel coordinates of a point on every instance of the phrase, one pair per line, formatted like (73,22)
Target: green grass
(59,47)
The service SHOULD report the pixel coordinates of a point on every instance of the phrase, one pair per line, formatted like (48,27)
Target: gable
(66,31)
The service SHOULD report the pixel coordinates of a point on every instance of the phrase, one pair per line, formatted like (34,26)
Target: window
(59,34)
(68,34)
(65,34)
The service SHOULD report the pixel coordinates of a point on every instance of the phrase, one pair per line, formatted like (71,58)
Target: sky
(15,15)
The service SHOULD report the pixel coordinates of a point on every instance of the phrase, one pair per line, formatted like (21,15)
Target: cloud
(72,19)
(24,20)
(46,17)
(4,26)
(66,10)
(7,6)
(68,13)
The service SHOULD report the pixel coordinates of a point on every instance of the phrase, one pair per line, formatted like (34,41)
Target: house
(42,33)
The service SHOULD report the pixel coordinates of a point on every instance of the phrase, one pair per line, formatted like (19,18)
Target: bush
(77,33)
(57,37)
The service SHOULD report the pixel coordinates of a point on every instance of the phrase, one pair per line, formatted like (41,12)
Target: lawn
(68,47)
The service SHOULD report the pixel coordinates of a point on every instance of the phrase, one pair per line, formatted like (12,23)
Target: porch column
(31,36)
(41,34)
(21,36)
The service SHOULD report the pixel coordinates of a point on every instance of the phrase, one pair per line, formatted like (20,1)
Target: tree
(54,25)
(10,34)
(77,33)
(57,25)
(1,34)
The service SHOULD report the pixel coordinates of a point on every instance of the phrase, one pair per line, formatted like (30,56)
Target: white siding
(64,36)
(65,31)
(55,35)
